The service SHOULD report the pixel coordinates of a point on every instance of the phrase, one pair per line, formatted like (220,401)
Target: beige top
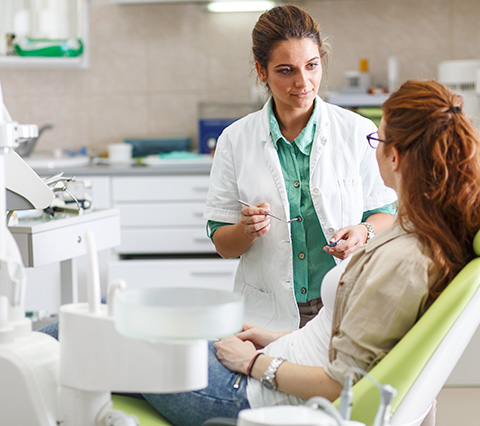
(379,298)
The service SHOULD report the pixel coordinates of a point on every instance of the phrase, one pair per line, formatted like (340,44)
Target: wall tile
(152,64)
(465,37)
(68,114)
(115,117)
(118,52)
(176,48)
(173,115)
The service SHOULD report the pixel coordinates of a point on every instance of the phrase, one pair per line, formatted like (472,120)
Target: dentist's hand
(255,221)
(353,236)
(260,337)
(235,354)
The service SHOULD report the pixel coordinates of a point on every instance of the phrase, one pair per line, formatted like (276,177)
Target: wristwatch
(371,232)
(268,378)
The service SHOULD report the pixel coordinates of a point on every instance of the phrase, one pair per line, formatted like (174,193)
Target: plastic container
(119,153)
(49,47)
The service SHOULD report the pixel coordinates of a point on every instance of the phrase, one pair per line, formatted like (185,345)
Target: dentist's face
(293,73)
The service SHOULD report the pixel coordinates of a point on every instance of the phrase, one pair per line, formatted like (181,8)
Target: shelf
(13,62)
(59,63)
(353,100)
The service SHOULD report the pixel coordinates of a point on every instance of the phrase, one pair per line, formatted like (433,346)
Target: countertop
(165,167)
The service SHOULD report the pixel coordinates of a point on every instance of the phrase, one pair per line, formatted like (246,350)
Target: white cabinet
(161,214)
(163,235)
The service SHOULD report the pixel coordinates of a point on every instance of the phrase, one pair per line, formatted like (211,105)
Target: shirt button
(331,230)
(303,290)
(335,331)
(340,282)
(301,256)
(296,184)
(315,191)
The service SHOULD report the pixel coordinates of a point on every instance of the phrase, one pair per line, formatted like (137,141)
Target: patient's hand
(234,353)
(260,337)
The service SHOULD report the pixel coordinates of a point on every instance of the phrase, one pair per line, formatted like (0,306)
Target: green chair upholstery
(145,413)
(403,365)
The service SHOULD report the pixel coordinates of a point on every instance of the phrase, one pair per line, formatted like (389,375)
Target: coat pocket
(260,306)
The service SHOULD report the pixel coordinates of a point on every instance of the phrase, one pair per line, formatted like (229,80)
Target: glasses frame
(371,138)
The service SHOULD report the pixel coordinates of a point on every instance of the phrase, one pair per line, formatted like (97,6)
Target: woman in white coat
(300,158)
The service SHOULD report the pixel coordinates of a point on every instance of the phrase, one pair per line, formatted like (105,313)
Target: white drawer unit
(202,273)
(159,188)
(161,214)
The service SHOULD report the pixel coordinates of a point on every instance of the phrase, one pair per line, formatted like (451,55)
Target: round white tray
(180,314)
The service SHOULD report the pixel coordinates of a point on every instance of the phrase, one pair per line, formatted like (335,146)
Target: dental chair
(417,367)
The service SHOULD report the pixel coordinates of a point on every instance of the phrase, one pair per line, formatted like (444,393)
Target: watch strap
(371,232)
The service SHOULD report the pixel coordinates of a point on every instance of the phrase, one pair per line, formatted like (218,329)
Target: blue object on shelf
(152,146)
(209,130)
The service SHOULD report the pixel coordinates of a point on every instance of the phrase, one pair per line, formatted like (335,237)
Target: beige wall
(150,65)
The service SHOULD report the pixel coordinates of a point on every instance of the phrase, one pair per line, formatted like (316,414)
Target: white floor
(458,407)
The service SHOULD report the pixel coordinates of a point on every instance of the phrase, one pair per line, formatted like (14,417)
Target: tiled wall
(151,65)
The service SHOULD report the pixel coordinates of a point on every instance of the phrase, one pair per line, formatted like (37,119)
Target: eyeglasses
(373,141)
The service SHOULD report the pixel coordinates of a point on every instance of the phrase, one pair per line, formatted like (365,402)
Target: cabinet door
(205,273)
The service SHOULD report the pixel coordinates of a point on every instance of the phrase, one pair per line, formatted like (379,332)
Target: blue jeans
(225,395)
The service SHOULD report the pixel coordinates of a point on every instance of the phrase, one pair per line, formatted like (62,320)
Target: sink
(50,160)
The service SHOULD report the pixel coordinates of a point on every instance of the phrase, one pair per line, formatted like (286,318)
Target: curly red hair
(440,171)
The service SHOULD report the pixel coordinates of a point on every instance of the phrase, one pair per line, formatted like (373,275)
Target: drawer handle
(211,274)
(198,214)
(200,188)
(79,239)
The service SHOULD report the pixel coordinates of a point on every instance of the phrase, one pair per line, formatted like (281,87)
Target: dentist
(299,158)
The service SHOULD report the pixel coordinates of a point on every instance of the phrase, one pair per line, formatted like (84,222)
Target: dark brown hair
(440,171)
(280,24)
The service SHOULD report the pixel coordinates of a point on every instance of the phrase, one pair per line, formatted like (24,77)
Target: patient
(429,152)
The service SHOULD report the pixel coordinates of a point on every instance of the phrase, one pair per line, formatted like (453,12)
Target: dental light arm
(12,274)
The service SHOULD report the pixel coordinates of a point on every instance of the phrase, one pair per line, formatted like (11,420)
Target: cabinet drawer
(162,214)
(159,188)
(204,273)
(162,241)
(67,242)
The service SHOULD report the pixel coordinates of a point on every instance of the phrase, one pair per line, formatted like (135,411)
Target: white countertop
(162,167)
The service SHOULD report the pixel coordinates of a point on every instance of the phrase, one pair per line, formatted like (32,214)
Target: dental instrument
(346,398)
(244,203)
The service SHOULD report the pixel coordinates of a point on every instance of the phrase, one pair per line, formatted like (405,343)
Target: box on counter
(143,147)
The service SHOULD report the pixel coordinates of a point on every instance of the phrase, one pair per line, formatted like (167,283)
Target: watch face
(268,382)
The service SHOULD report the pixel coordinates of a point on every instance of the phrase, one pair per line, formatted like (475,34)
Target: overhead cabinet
(48,35)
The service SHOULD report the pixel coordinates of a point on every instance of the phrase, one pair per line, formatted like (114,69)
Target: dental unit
(152,340)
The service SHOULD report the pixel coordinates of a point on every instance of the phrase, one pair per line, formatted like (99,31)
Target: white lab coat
(344,182)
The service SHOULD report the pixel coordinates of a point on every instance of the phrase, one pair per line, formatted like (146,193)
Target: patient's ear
(396,159)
